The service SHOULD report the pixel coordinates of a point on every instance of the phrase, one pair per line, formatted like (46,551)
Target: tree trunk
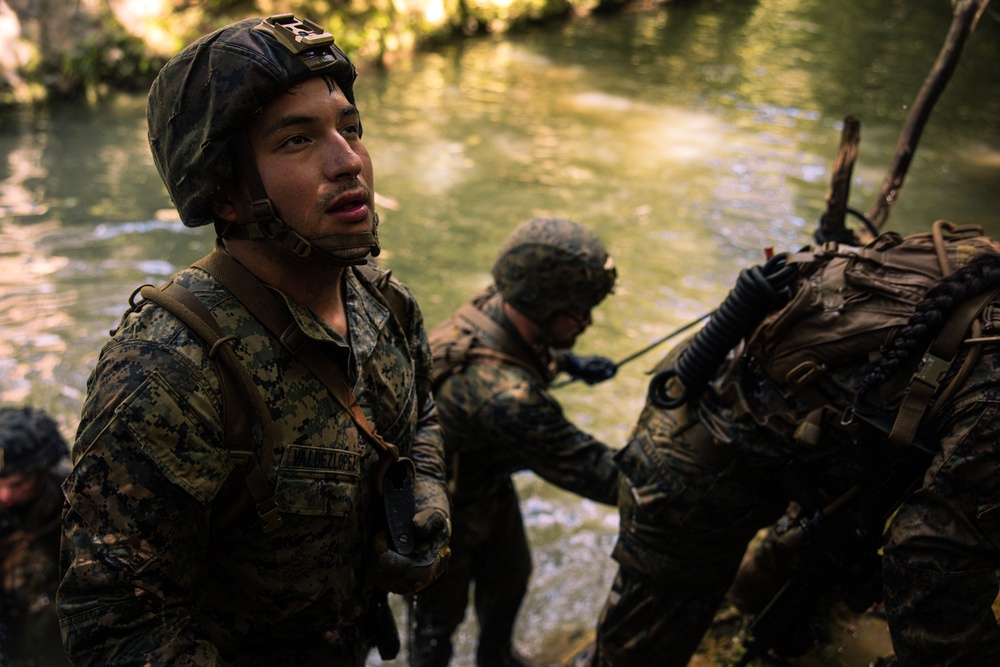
(966,15)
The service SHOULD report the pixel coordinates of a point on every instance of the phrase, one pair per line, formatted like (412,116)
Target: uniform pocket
(318,481)
(165,429)
(652,488)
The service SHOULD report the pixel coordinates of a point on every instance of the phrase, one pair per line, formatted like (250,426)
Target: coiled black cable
(759,290)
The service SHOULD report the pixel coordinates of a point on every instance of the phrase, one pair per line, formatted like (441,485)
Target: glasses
(581,318)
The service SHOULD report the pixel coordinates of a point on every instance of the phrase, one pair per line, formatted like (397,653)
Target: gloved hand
(408,574)
(590,369)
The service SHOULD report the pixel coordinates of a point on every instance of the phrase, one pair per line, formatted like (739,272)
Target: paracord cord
(759,290)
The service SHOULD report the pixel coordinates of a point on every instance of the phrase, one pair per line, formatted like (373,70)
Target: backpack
(879,285)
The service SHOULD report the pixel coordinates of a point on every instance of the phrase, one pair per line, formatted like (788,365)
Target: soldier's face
(566,326)
(313,164)
(19,489)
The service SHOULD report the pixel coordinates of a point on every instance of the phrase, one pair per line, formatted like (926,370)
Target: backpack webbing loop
(937,361)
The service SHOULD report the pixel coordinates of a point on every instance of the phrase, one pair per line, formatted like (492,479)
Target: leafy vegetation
(121,45)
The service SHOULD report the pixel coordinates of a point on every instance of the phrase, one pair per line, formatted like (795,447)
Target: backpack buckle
(270,517)
(805,373)
(932,369)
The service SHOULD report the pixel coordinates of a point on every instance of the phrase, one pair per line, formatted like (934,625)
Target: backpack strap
(933,367)
(275,316)
(450,350)
(395,478)
(497,343)
(188,308)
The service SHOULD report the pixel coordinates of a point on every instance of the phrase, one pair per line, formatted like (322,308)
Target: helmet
(203,97)
(29,441)
(552,265)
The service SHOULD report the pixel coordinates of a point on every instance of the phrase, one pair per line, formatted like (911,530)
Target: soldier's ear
(224,204)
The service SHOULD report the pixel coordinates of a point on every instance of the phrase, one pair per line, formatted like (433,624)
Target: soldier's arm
(943,545)
(135,531)
(527,422)
(428,446)
(427,449)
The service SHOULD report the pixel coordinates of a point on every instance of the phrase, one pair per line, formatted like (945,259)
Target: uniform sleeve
(943,546)
(428,442)
(135,532)
(522,418)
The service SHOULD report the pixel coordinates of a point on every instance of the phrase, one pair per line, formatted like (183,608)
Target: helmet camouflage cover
(29,441)
(206,94)
(553,265)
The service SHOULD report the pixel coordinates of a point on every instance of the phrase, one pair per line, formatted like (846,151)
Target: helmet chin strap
(268,225)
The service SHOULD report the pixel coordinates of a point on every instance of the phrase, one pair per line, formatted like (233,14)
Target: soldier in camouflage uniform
(493,363)
(699,480)
(254,129)
(32,453)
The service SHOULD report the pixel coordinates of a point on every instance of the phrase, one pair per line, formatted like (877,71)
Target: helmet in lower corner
(29,441)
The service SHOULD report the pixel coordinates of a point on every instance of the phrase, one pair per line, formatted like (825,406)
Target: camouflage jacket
(145,579)
(499,417)
(29,550)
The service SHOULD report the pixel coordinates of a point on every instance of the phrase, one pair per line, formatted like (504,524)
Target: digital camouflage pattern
(203,97)
(699,481)
(146,579)
(498,418)
(552,265)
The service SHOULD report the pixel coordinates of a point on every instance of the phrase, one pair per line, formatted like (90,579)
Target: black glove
(592,369)
(408,574)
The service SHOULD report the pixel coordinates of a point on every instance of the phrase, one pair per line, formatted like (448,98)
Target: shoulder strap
(236,431)
(275,316)
(394,480)
(498,344)
(932,368)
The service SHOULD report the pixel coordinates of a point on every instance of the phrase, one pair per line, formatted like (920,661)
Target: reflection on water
(31,311)
(690,136)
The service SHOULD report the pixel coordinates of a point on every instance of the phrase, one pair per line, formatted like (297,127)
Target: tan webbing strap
(236,427)
(937,233)
(500,342)
(932,368)
(189,309)
(275,316)
(942,229)
(971,359)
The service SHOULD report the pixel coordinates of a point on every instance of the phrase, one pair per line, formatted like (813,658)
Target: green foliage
(115,57)
(111,59)
(372,30)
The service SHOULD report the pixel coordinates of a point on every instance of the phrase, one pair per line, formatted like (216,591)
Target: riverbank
(119,45)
